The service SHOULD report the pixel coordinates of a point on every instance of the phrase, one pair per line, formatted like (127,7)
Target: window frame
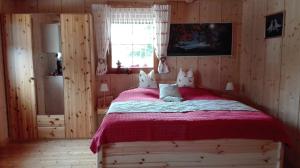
(112,70)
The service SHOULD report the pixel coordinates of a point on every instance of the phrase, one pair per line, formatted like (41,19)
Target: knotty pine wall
(267,71)
(270,68)
(212,72)
(3,114)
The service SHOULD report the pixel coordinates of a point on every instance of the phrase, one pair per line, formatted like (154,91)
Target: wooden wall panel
(174,13)
(258,57)
(78,75)
(254,50)
(88,4)
(71,6)
(7,6)
(190,10)
(20,86)
(290,78)
(119,83)
(67,6)
(247,45)
(232,13)
(26,5)
(275,6)
(272,75)
(290,65)
(3,112)
(273,65)
(49,6)
(209,67)
(134,82)
(210,11)
(210,72)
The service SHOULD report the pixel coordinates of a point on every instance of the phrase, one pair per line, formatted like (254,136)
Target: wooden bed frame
(223,153)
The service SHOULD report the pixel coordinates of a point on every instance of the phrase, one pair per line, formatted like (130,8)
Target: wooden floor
(48,154)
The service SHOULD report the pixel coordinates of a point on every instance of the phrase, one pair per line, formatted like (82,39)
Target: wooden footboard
(202,153)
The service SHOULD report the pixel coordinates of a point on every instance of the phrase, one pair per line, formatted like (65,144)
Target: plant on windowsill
(121,70)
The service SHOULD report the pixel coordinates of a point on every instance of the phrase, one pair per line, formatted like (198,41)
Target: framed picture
(274,25)
(200,39)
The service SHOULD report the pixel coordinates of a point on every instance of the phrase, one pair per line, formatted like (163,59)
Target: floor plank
(48,154)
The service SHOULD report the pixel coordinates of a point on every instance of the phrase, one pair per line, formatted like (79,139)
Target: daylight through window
(132,40)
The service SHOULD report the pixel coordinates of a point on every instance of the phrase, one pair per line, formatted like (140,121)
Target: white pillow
(185,79)
(147,80)
(169,93)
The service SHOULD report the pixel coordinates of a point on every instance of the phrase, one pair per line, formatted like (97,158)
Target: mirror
(47,60)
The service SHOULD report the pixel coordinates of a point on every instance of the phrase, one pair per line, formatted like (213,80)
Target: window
(132,43)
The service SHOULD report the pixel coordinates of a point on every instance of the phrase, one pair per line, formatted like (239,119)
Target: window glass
(132,45)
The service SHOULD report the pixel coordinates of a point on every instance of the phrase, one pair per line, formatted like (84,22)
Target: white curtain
(101,16)
(162,19)
(132,16)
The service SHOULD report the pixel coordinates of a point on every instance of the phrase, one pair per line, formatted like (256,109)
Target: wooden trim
(221,153)
(111,70)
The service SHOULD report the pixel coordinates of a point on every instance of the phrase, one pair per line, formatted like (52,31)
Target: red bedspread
(127,127)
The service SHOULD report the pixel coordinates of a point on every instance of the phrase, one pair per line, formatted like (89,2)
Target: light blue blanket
(178,107)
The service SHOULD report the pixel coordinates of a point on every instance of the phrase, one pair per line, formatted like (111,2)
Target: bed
(215,135)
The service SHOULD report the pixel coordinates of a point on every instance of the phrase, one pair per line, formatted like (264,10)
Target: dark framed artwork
(274,25)
(200,39)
